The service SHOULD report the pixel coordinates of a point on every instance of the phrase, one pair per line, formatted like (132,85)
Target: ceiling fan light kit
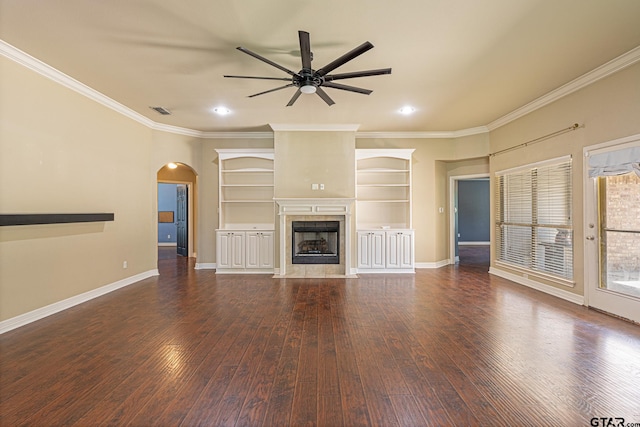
(308,80)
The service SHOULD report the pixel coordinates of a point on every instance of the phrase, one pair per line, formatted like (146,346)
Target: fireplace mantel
(303,207)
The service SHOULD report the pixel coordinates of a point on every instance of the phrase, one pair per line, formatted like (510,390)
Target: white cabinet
(246,211)
(259,249)
(230,249)
(400,249)
(371,249)
(244,251)
(385,251)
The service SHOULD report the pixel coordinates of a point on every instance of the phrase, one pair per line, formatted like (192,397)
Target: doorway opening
(470,222)
(176,204)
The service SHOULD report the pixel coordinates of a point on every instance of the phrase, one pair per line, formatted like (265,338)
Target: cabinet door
(406,253)
(259,249)
(371,249)
(237,249)
(266,249)
(230,249)
(223,249)
(364,249)
(400,249)
(253,249)
(377,249)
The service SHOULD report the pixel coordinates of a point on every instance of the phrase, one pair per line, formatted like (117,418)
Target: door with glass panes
(612,227)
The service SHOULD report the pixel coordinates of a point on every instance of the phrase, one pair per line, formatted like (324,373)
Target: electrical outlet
(322,186)
(124,264)
(168,236)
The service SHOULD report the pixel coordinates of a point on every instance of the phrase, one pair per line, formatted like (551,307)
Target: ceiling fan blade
(263,59)
(305,49)
(270,90)
(260,78)
(344,59)
(326,98)
(345,87)
(294,98)
(357,74)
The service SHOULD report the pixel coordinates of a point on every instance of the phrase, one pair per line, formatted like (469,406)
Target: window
(533,218)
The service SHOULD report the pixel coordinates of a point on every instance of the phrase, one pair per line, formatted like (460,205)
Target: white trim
(560,293)
(473,243)
(453,212)
(314,127)
(436,264)
(617,64)
(423,135)
(40,313)
(205,266)
(398,153)
(59,77)
(168,244)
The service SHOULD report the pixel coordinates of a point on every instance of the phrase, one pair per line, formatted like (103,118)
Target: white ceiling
(460,63)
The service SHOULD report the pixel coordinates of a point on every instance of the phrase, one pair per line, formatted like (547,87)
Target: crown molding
(314,127)
(623,61)
(617,64)
(423,135)
(236,135)
(59,77)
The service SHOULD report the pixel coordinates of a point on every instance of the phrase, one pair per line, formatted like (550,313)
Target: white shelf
(246,188)
(383,190)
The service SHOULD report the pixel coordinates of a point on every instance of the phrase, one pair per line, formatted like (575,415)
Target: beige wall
(62,152)
(429,191)
(608,109)
(305,158)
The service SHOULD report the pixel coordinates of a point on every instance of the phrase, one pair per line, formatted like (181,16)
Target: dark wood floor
(446,347)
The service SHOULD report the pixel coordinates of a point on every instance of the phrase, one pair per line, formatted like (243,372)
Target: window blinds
(533,218)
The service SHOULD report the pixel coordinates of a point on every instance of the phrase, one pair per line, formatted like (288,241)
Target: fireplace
(315,242)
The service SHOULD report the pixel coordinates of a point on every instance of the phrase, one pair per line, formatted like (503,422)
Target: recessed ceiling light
(406,110)
(223,111)
(172,165)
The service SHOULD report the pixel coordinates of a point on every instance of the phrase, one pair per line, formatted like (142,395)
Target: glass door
(612,213)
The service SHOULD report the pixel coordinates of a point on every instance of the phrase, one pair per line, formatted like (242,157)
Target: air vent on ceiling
(161,110)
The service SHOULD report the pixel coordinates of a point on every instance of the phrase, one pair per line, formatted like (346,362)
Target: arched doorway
(177,210)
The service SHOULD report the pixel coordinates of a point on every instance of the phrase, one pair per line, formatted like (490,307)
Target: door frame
(453,193)
(191,252)
(606,300)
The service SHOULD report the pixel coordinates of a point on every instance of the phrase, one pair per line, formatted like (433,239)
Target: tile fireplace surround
(290,210)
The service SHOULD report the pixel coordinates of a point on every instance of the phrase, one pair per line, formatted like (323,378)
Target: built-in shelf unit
(383,210)
(246,211)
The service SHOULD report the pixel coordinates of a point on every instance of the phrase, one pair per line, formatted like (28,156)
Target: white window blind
(533,218)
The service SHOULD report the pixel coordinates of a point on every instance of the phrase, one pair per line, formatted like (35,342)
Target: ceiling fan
(308,80)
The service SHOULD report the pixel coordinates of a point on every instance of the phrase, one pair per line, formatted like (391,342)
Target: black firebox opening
(315,242)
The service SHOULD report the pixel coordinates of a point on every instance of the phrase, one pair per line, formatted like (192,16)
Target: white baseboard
(205,266)
(474,243)
(40,313)
(383,271)
(568,296)
(436,264)
(175,245)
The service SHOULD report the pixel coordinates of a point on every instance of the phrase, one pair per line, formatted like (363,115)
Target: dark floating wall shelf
(30,219)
